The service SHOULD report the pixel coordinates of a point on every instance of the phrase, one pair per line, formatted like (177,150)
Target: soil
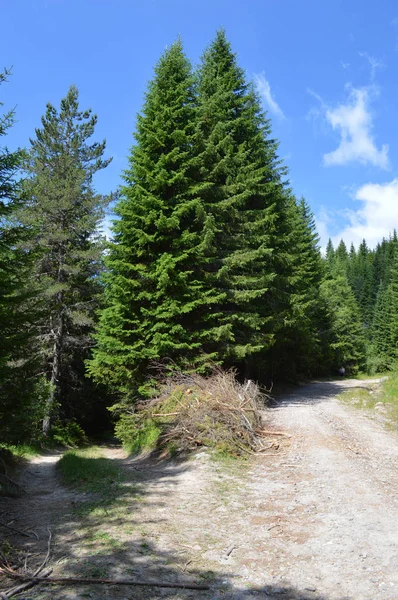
(314,519)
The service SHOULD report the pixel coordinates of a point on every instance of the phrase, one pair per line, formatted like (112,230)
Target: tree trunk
(54,381)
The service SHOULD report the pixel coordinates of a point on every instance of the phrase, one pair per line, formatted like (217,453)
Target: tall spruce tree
(18,406)
(9,163)
(299,348)
(158,301)
(344,336)
(241,187)
(382,351)
(63,212)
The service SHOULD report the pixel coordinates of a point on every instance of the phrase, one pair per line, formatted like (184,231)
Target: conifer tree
(345,338)
(241,187)
(330,253)
(158,301)
(382,350)
(63,213)
(341,253)
(9,163)
(17,404)
(299,344)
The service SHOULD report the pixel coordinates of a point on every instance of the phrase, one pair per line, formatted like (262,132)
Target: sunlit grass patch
(89,471)
(102,542)
(389,396)
(360,397)
(382,398)
(20,450)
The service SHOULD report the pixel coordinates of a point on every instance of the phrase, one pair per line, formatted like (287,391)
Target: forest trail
(317,519)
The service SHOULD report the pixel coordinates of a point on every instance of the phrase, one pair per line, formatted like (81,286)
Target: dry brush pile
(192,411)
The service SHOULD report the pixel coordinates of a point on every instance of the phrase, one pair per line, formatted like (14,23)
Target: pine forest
(213,265)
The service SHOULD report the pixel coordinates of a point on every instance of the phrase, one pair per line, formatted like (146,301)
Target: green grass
(89,471)
(102,542)
(102,479)
(385,394)
(20,450)
(137,436)
(389,396)
(359,398)
(361,376)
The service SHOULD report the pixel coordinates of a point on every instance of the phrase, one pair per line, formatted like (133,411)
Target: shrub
(68,434)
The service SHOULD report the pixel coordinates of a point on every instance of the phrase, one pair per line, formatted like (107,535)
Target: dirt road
(316,519)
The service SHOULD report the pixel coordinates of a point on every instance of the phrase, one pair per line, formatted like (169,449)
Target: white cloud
(345,65)
(264,89)
(354,121)
(376,218)
(374,64)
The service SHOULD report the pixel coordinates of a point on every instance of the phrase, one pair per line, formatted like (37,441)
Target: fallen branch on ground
(266,432)
(64,580)
(15,530)
(43,564)
(21,587)
(29,580)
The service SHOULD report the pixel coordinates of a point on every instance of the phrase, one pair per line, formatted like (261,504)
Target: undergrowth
(18,451)
(192,411)
(68,434)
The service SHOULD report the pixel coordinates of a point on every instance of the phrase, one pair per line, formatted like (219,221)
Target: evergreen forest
(213,260)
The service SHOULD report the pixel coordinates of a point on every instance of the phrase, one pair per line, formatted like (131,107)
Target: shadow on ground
(108,539)
(316,392)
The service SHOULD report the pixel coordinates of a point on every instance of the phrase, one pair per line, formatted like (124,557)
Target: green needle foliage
(345,336)
(17,407)
(158,303)
(63,213)
(241,187)
(298,349)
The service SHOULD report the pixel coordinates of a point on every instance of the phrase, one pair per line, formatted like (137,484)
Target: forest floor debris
(316,522)
(193,411)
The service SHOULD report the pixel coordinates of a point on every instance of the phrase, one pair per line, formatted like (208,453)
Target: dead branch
(93,581)
(230,549)
(43,564)
(15,530)
(21,587)
(266,432)
(173,414)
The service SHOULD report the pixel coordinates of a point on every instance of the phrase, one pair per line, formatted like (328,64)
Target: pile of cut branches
(192,411)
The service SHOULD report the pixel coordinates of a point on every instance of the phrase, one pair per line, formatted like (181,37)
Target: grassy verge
(361,376)
(20,451)
(380,398)
(389,396)
(87,470)
(102,479)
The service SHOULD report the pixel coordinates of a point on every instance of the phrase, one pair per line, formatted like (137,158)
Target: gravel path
(317,519)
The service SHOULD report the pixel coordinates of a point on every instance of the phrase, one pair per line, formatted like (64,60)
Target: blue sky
(326,70)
